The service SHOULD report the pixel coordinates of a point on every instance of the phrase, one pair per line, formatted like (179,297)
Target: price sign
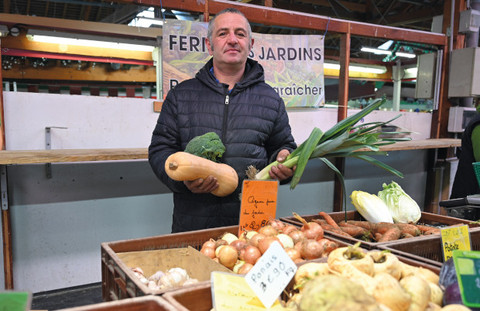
(467,266)
(271,274)
(455,238)
(259,204)
(230,291)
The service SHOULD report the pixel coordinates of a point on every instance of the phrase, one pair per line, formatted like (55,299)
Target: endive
(371,207)
(342,140)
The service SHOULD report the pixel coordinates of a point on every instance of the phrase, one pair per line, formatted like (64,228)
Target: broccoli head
(208,146)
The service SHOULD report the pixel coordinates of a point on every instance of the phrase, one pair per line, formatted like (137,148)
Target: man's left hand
(281,172)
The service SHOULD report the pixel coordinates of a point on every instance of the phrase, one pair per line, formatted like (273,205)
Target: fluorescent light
(145,19)
(358,68)
(412,71)
(407,55)
(375,51)
(89,41)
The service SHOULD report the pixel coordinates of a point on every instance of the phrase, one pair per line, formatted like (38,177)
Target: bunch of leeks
(342,140)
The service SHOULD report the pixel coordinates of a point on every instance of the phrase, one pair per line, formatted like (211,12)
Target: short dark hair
(227,10)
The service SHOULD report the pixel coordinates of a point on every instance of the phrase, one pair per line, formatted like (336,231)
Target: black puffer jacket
(465,182)
(250,119)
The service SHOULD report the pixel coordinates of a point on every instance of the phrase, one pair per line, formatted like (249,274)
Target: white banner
(293,64)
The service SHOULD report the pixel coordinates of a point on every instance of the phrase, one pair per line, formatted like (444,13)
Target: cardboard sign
(259,204)
(271,274)
(455,238)
(467,267)
(229,291)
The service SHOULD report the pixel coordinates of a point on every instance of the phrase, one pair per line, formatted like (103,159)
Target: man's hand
(201,185)
(281,172)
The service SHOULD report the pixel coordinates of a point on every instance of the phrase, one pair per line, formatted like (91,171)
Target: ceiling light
(3,31)
(145,19)
(90,41)
(407,55)
(357,68)
(375,51)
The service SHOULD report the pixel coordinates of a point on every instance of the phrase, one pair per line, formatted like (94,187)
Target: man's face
(230,43)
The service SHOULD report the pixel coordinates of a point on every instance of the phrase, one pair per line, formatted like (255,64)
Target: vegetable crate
(428,250)
(426,218)
(145,303)
(155,253)
(199,297)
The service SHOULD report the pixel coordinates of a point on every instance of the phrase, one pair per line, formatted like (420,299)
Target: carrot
(378,236)
(359,223)
(355,231)
(406,236)
(424,228)
(391,234)
(329,219)
(433,231)
(383,227)
(409,229)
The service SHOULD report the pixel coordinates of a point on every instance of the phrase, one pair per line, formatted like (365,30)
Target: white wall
(58,223)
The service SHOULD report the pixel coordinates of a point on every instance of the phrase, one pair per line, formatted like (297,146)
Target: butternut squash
(182,166)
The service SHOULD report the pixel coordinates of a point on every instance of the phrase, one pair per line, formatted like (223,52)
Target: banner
(293,64)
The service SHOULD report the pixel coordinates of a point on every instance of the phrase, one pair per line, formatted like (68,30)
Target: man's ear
(251,43)
(209,46)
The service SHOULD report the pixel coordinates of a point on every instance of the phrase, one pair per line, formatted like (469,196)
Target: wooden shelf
(86,155)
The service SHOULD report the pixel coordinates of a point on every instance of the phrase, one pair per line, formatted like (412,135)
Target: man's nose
(232,38)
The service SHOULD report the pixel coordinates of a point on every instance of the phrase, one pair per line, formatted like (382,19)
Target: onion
(250,254)
(297,236)
(229,237)
(277,224)
(327,245)
(220,242)
(254,240)
(285,240)
(208,251)
(239,244)
(293,253)
(245,268)
(237,265)
(312,230)
(289,228)
(217,250)
(268,230)
(228,256)
(265,243)
(209,243)
(311,249)
(247,235)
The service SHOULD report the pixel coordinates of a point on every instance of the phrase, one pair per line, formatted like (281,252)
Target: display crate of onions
(426,219)
(145,303)
(120,281)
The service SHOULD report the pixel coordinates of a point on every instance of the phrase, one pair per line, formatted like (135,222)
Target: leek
(344,139)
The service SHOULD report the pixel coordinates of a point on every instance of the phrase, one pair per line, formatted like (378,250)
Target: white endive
(371,207)
(402,207)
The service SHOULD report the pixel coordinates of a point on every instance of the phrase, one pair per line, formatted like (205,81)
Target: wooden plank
(122,154)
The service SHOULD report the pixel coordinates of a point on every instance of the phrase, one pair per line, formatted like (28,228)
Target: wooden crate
(145,303)
(426,218)
(120,282)
(428,250)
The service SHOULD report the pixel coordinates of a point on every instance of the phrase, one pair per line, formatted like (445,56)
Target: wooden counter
(85,155)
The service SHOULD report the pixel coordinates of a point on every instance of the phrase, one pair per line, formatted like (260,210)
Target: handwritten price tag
(259,204)
(467,266)
(455,238)
(271,274)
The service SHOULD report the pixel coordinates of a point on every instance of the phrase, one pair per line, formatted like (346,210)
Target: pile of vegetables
(392,204)
(241,253)
(199,160)
(174,277)
(353,279)
(371,231)
(342,140)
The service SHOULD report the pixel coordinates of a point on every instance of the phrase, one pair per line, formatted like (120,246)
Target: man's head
(229,37)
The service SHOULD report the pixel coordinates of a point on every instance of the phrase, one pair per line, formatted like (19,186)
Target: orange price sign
(258,205)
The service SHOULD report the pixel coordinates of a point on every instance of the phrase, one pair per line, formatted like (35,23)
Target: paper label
(258,205)
(455,238)
(271,274)
(230,292)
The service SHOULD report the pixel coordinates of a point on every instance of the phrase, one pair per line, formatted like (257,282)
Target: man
(465,182)
(230,97)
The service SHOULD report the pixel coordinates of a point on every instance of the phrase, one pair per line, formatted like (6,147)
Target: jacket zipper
(225,115)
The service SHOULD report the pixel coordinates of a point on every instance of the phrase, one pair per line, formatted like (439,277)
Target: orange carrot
(378,236)
(424,228)
(329,219)
(409,228)
(391,234)
(355,231)
(361,223)
(406,236)
(383,227)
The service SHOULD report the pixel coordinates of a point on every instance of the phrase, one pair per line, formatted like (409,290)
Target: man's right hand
(201,185)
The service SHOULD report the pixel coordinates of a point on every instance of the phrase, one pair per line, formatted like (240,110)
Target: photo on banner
(293,64)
